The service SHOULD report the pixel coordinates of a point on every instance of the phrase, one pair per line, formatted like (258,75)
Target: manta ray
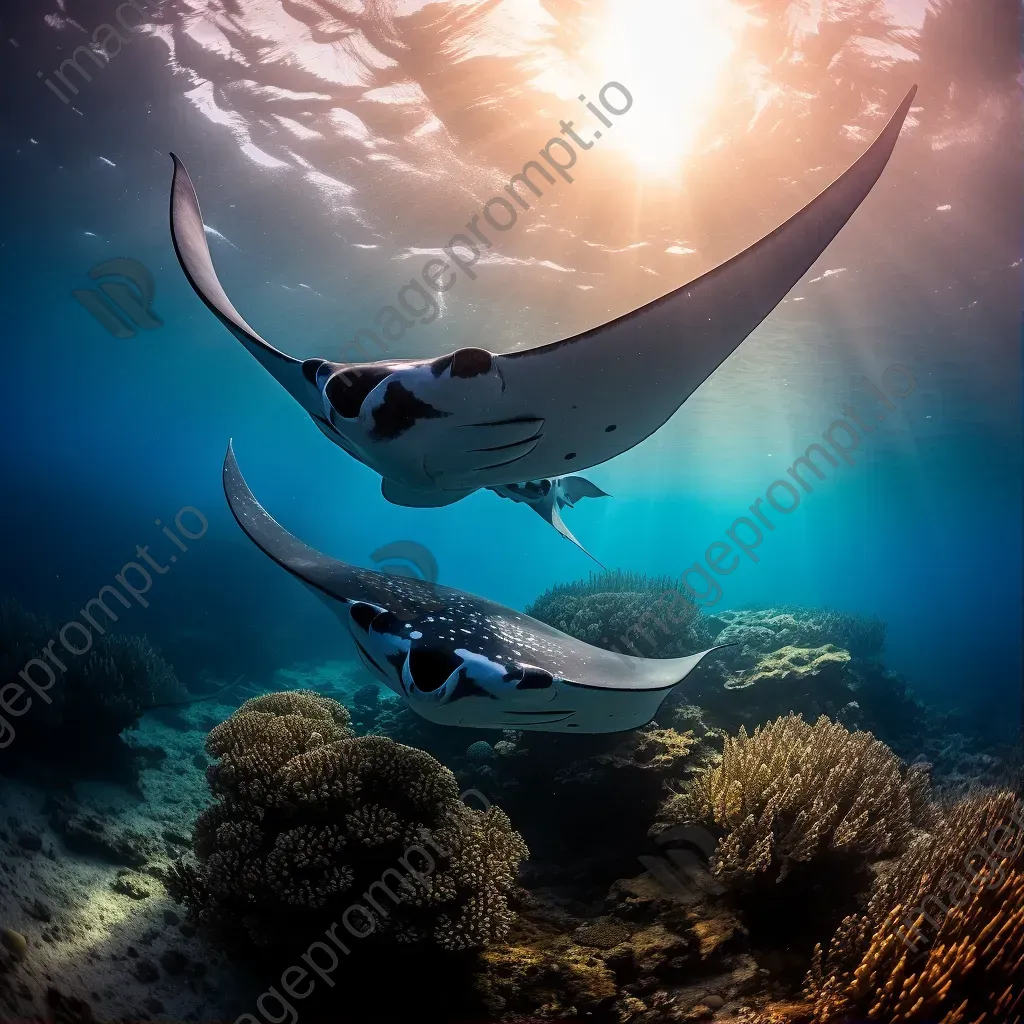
(438,429)
(462,660)
(549,496)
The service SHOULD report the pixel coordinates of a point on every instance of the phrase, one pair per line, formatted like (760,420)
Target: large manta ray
(463,660)
(438,429)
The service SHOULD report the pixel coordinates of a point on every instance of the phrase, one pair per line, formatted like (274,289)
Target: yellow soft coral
(793,791)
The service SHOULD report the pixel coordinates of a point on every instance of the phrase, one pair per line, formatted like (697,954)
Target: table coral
(792,792)
(310,822)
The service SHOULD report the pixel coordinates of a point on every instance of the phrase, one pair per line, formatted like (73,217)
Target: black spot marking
(430,667)
(465,687)
(545,486)
(610,428)
(569,456)
(347,390)
(399,411)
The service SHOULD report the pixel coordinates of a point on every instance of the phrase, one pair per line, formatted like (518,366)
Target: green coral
(632,613)
(790,625)
(310,821)
(792,664)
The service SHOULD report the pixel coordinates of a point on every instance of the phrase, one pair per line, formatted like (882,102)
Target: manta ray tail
(554,517)
(189,236)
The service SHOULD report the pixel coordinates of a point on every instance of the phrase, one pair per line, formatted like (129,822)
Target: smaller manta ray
(549,496)
(463,660)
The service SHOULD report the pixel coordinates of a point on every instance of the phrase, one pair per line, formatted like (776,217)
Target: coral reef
(794,792)
(98,695)
(788,625)
(627,612)
(942,938)
(311,822)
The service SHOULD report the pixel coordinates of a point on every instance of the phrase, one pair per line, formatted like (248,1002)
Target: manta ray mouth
(522,719)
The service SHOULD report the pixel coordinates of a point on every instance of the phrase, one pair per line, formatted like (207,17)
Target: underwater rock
(603,933)
(29,840)
(547,983)
(311,822)
(793,792)
(87,834)
(14,942)
(39,910)
(173,961)
(133,885)
(145,970)
(66,1009)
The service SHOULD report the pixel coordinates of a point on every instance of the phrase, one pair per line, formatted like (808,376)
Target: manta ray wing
(606,390)
(193,251)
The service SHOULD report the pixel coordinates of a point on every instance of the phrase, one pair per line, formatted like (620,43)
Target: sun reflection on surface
(672,61)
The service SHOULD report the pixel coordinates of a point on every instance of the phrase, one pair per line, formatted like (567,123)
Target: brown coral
(934,945)
(792,792)
(311,821)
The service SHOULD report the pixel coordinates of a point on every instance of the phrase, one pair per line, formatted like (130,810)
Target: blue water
(106,435)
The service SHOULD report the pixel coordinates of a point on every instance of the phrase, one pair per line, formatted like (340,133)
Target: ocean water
(335,148)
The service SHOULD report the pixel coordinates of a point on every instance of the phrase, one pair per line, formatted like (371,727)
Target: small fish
(462,660)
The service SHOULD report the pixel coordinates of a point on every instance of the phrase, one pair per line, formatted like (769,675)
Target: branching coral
(311,822)
(627,612)
(792,792)
(942,938)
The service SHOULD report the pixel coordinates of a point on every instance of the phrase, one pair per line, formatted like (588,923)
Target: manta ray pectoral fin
(576,487)
(604,391)
(647,673)
(188,234)
(412,497)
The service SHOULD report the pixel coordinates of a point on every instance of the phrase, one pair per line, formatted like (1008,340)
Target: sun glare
(671,61)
